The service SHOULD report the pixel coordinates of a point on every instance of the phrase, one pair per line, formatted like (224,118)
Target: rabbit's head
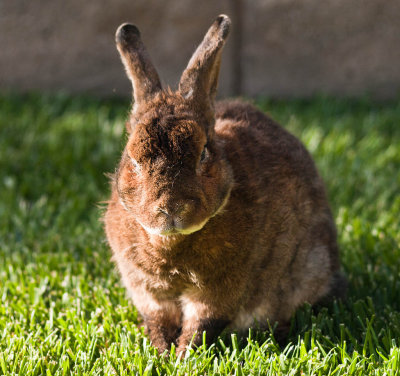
(173,176)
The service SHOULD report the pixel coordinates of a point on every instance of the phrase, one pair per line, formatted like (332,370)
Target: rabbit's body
(216,226)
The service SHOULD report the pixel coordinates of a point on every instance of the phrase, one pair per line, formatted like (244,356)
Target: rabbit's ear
(199,81)
(139,68)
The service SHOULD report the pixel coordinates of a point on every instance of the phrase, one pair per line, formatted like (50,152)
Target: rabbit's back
(260,149)
(267,161)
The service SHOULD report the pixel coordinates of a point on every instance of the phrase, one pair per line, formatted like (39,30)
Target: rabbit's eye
(136,165)
(204,154)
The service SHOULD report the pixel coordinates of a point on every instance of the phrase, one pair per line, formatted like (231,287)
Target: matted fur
(218,217)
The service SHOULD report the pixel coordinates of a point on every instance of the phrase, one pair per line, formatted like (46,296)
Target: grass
(63,310)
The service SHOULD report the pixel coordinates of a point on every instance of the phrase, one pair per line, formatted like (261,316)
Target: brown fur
(224,236)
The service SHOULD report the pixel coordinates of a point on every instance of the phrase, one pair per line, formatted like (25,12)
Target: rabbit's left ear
(199,80)
(139,68)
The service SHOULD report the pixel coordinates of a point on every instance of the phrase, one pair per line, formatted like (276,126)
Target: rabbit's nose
(171,217)
(176,210)
(171,212)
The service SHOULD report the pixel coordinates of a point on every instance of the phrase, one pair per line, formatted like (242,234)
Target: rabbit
(218,218)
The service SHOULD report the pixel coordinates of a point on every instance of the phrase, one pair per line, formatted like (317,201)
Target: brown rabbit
(218,217)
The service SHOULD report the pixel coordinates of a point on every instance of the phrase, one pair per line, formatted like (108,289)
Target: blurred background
(277,48)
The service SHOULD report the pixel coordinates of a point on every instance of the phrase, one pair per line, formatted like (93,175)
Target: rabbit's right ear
(199,81)
(139,68)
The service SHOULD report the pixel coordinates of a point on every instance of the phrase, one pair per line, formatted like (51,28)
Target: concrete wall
(285,48)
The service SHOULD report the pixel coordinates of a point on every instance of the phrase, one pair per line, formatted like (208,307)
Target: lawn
(63,309)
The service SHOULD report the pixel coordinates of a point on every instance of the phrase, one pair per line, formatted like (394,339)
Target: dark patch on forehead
(169,138)
(167,132)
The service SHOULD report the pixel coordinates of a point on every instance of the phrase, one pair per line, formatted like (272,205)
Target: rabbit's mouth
(172,229)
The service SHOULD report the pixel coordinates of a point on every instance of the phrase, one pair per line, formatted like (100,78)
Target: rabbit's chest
(173,274)
(163,275)
(168,281)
